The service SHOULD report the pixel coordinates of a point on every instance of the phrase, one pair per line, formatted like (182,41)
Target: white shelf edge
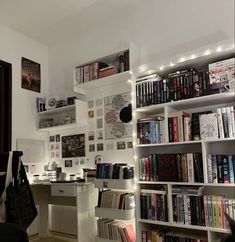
(187,183)
(120,214)
(195,227)
(57,110)
(62,127)
(226,96)
(101,82)
(186,142)
(122,184)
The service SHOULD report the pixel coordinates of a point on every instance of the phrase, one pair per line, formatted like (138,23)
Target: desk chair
(12,233)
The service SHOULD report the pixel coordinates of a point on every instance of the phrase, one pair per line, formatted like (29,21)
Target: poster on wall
(31,75)
(115,108)
(73,145)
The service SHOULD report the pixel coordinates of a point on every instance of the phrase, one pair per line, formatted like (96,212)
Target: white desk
(81,195)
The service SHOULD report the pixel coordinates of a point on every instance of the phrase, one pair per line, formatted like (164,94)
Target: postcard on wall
(31,75)
(114,127)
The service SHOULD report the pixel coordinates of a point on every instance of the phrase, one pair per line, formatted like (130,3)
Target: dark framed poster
(73,146)
(31,75)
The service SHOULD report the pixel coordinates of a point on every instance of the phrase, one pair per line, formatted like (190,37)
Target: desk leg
(43,220)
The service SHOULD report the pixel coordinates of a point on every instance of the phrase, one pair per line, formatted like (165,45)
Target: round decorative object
(50,103)
(126,114)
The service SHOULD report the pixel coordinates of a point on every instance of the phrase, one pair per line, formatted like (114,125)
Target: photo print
(99,112)
(91,114)
(129,144)
(91,135)
(92,148)
(121,145)
(90,104)
(100,135)
(99,103)
(73,145)
(100,147)
(68,163)
(99,123)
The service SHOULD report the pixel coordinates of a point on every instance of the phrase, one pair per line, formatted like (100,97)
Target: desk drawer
(64,191)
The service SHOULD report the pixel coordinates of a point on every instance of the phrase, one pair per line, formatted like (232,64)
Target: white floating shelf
(122,184)
(115,213)
(105,81)
(62,127)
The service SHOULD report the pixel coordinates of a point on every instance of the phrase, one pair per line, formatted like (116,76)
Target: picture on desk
(73,146)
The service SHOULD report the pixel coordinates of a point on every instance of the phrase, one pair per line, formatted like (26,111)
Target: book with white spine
(220,123)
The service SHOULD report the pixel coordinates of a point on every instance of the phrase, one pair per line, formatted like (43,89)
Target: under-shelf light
(193,56)
(150,72)
(182,59)
(172,64)
(207,52)
(142,68)
(129,81)
(161,68)
(219,49)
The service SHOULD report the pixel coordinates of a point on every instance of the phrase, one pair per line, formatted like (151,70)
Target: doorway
(5,106)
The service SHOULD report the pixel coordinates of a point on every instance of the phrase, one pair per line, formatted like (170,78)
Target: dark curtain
(5,106)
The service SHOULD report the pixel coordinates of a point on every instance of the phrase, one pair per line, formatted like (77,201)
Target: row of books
(96,70)
(116,200)
(170,236)
(179,85)
(114,171)
(184,84)
(182,167)
(115,230)
(153,205)
(150,130)
(221,168)
(208,210)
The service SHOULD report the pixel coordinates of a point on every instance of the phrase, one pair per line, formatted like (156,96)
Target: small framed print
(90,104)
(100,147)
(129,144)
(91,114)
(100,135)
(99,112)
(99,123)
(99,103)
(68,163)
(52,138)
(121,145)
(57,138)
(91,135)
(92,148)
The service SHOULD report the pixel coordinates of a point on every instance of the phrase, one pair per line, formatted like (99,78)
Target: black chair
(12,233)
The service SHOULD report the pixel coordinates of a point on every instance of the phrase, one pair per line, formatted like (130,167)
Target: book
(220,123)
(208,126)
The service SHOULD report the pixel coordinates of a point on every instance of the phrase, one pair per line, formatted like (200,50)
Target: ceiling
(38,19)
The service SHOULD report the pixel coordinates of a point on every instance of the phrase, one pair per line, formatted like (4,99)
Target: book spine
(229,120)
(225,168)
(220,169)
(232,112)
(209,169)
(190,167)
(231,170)
(220,123)
(225,123)
(214,169)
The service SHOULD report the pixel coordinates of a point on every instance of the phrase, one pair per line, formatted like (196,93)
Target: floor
(54,238)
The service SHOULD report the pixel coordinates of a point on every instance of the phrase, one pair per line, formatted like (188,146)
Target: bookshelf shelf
(58,110)
(115,213)
(121,184)
(194,227)
(160,137)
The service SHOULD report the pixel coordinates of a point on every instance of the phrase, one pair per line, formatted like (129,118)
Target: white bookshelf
(76,112)
(206,147)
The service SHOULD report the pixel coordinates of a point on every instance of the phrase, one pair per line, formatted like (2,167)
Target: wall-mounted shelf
(67,117)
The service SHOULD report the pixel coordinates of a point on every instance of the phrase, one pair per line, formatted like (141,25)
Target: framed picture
(73,146)
(31,75)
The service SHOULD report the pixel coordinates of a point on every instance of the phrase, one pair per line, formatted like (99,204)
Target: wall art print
(73,146)
(31,75)
(115,128)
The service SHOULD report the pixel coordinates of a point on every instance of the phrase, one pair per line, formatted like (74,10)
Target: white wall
(160,28)
(13,46)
